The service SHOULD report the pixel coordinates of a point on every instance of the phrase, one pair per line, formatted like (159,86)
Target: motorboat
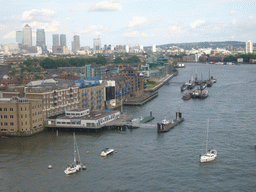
(70,170)
(106,152)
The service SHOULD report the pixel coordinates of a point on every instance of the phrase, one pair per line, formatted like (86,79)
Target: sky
(131,22)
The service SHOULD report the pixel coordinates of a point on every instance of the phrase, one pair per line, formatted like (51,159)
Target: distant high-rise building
(40,39)
(153,48)
(76,43)
(248,47)
(96,44)
(1,57)
(55,40)
(19,38)
(27,36)
(63,40)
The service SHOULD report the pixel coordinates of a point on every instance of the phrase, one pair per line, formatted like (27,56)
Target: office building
(76,44)
(63,40)
(55,40)
(97,44)
(40,39)
(27,36)
(19,38)
(1,57)
(248,47)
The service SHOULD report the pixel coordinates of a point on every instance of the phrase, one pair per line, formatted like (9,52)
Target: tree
(118,60)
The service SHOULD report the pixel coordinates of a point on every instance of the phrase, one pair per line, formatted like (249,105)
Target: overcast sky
(131,22)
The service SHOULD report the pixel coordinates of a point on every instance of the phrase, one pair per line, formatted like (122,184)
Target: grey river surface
(146,160)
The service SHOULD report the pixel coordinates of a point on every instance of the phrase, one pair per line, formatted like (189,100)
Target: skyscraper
(55,40)
(96,44)
(63,40)
(76,43)
(27,36)
(40,39)
(248,47)
(19,38)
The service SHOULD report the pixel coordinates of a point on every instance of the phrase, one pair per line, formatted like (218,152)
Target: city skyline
(132,21)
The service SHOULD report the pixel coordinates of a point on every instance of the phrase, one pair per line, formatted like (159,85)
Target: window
(21,116)
(25,116)
(5,116)
(5,124)
(11,116)
(0,109)
(25,108)
(5,109)
(21,108)
(12,124)
(11,109)
(12,130)
(26,123)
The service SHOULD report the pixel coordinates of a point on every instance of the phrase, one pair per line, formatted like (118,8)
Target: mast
(74,147)
(207,136)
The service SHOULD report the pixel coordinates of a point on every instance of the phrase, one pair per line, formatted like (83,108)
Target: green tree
(118,60)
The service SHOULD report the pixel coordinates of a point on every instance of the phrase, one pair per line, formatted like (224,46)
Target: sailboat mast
(207,136)
(74,147)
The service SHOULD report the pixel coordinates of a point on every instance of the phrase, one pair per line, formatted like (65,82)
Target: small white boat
(106,152)
(70,170)
(76,165)
(209,155)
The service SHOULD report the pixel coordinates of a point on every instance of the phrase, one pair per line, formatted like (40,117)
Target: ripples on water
(145,160)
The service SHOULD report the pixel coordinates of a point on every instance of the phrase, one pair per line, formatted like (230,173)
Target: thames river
(146,160)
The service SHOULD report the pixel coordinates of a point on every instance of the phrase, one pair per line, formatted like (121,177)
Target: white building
(248,47)
(83,118)
(153,48)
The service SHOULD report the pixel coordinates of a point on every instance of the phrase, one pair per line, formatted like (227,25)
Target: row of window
(21,109)
(5,109)
(22,123)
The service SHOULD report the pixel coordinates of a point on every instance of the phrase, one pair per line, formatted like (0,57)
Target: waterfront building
(76,44)
(63,40)
(40,39)
(248,47)
(97,44)
(56,96)
(117,88)
(136,80)
(91,94)
(19,38)
(27,36)
(20,116)
(84,118)
(55,40)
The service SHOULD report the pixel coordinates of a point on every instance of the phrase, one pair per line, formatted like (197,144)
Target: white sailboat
(209,155)
(77,164)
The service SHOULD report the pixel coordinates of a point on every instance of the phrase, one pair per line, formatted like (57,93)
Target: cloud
(36,14)
(94,29)
(233,12)
(48,27)
(136,34)
(175,29)
(10,35)
(234,21)
(105,6)
(196,23)
(136,20)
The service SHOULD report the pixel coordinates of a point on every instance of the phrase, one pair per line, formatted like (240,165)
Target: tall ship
(166,125)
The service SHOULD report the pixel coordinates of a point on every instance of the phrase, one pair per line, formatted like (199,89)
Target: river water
(146,160)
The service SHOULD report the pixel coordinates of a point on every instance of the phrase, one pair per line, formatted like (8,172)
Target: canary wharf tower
(27,36)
